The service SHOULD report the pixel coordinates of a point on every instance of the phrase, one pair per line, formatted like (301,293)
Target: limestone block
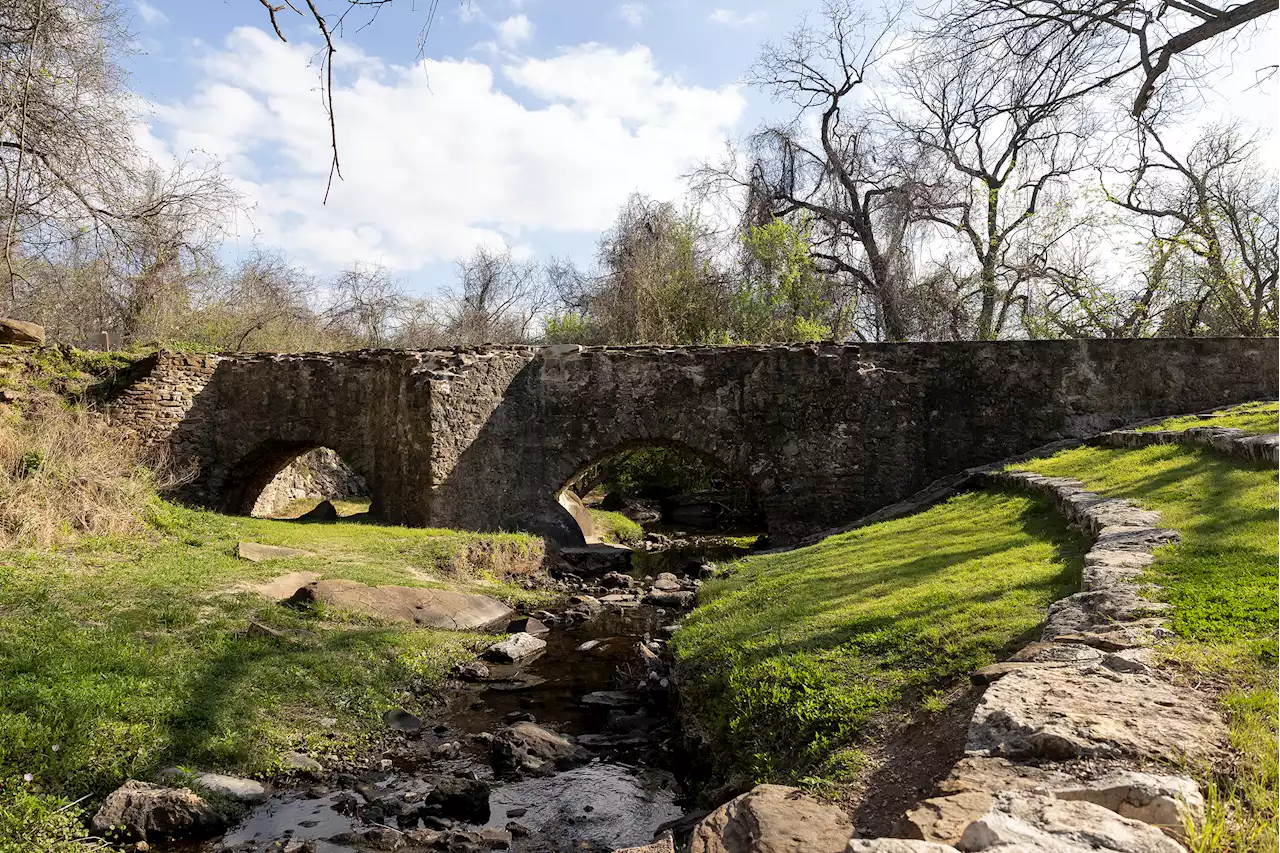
(773,819)
(1065,713)
(1028,823)
(943,819)
(1155,799)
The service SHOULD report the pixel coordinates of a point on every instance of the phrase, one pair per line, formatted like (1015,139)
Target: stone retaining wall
(1233,442)
(1061,749)
(318,474)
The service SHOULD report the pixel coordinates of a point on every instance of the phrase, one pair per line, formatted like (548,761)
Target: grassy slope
(615,527)
(118,656)
(1253,417)
(1222,581)
(794,656)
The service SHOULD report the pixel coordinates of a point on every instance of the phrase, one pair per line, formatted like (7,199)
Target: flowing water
(630,787)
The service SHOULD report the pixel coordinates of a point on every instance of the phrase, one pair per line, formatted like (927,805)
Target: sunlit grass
(121,655)
(1252,417)
(791,658)
(1221,579)
(616,527)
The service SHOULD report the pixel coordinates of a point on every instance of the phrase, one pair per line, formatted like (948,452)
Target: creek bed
(628,789)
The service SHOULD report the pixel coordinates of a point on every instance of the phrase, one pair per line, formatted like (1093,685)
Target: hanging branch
(22,150)
(330,48)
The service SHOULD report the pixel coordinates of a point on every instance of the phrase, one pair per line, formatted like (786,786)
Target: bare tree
(76,183)
(1004,140)
(330,18)
(851,180)
(1214,206)
(1114,39)
(363,302)
(497,299)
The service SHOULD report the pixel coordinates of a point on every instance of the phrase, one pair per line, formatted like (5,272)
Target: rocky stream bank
(561,736)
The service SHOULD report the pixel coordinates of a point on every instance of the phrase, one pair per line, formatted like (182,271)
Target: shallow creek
(628,789)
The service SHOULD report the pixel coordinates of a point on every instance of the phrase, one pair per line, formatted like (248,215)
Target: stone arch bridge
(485,438)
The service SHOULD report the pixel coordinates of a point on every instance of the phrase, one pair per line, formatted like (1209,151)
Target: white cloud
(633,13)
(442,157)
(514,31)
(150,14)
(734,19)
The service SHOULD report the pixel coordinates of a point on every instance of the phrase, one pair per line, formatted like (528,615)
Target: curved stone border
(1258,447)
(1056,746)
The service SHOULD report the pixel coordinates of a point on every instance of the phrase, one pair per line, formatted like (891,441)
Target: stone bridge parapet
(485,438)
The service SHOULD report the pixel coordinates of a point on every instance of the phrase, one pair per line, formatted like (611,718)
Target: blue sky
(585,101)
(526,125)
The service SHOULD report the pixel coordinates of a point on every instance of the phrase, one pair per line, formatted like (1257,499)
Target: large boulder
(529,748)
(21,333)
(773,819)
(515,648)
(429,608)
(464,799)
(140,811)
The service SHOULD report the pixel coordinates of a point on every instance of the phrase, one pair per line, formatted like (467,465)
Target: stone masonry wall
(485,438)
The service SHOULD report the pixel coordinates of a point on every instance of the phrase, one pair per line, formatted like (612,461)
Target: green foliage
(659,471)
(783,297)
(71,374)
(31,822)
(568,328)
(616,527)
(792,656)
(1221,580)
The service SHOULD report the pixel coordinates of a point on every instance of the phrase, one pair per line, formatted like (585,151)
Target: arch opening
(295,480)
(665,487)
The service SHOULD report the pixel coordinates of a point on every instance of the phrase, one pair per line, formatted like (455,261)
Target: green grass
(1221,580)
(795,658)
(615,527)
(1253,417)
(120,656)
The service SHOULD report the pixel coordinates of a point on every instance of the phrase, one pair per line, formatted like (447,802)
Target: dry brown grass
(65,473)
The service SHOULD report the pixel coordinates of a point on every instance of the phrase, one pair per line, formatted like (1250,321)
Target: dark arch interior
(290,479)
(665,485)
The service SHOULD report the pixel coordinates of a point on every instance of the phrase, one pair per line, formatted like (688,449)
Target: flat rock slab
(614,699)
(1028,823)
(1057,714)
(1159,800)
(897,845)
(281,587)
(427,608)
(235,788)
(256,552)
